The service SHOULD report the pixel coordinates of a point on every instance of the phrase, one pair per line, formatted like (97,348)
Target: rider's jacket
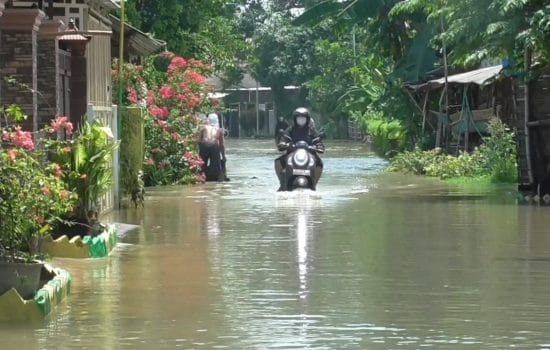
(297,133)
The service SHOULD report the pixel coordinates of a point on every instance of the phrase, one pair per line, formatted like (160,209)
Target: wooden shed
(478,95)
(474,98)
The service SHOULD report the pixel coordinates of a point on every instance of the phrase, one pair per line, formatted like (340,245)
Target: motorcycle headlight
(301,157)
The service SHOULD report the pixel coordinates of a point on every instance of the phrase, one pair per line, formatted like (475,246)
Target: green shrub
(388,136)
(495,159)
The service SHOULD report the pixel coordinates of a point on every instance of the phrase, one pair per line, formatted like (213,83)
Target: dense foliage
(495,159)
(84,159)
(368,50)
(173,92)
(204,30)
(33,195)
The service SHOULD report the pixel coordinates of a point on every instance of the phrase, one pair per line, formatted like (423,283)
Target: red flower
(150,98)
(61,123)
(164,113)
(196,77)
(155,112)
(132,95)
(19,138)
(177,62)
(166,92)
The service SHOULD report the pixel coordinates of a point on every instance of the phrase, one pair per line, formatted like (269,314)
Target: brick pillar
(78,84)
(18,60)
(49,98)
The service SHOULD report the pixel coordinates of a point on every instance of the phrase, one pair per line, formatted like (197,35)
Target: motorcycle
(301,167)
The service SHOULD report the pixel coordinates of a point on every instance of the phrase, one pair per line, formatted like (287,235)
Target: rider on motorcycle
(302,130)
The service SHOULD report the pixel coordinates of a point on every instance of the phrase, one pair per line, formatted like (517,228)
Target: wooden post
(425,111)
(446,66)
(526,117)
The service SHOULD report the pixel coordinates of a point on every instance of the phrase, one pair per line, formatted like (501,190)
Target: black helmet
(301,112)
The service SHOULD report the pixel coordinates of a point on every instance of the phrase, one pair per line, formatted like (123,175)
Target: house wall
(49,98)
(539,118)
(99,61)
(18,48)
(63,9)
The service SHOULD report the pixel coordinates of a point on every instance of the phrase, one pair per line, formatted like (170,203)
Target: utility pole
(121,55)
(257,109)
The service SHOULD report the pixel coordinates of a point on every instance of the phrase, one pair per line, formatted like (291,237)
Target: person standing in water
(212,149)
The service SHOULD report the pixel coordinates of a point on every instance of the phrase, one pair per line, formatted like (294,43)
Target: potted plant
(33,197)
(85,159)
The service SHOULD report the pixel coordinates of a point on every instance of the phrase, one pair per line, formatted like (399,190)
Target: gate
(108,116)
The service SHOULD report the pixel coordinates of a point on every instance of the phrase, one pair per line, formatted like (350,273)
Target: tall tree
(202,29)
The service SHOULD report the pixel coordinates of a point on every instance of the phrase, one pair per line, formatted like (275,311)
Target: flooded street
(370,261)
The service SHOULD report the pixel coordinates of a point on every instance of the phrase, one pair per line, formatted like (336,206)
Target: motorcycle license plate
(301,172)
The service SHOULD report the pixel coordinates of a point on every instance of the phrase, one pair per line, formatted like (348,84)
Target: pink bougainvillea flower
(164,113)
(195,77)
(132,95)
(19,138)
(166,92)
(61,123)
(177,63)
(194,102)
(188,155)
(155,112)
(150,100)
(182,98)
(149,161)
(185,89)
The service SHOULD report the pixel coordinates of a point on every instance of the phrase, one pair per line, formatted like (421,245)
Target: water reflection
(370,261)
(302,238)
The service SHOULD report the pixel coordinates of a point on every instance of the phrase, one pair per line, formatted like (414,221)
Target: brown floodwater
(370,261)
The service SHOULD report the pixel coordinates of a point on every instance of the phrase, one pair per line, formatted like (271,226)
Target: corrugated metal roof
(482,76)
(142,42)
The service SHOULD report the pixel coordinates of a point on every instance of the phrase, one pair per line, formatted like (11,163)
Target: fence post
(90,113)
(116,157)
